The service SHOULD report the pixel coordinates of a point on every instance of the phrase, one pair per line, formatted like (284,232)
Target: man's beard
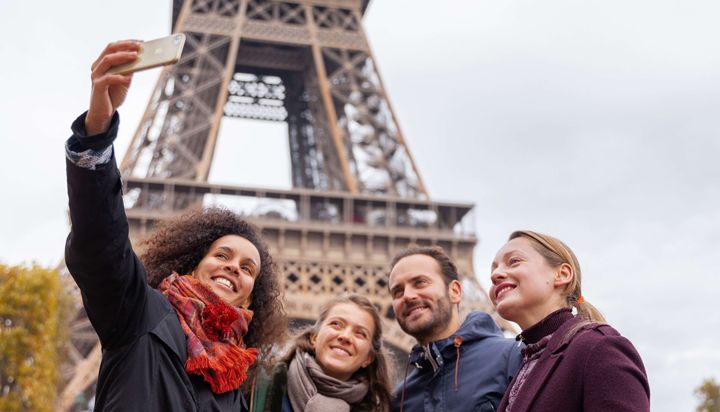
(440,318)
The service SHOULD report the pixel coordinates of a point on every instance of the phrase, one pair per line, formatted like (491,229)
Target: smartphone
(154,53)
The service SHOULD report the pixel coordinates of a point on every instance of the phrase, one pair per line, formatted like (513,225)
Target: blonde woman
(571,362)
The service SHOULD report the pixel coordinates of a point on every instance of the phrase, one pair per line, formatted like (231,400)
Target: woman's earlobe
(368,361)
(564,275)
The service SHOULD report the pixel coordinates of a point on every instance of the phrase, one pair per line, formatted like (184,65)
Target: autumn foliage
(32,311)
(708,393)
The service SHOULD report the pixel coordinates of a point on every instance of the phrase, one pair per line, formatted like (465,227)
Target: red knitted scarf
(214,332)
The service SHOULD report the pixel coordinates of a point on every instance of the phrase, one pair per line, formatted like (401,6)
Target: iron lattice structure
(357,196)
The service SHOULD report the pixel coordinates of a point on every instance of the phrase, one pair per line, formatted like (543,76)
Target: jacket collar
(545,327)
(549,360)
(477,325)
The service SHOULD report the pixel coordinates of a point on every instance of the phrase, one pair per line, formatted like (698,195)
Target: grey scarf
(311,390)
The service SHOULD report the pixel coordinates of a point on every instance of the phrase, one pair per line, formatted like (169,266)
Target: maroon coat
(595,370)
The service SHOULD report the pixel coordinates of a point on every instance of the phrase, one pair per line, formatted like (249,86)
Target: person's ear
(313,339)
(563,275)
(369,360)
(455,292)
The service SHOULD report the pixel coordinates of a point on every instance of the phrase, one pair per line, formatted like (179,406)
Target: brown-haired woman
(571,362)
(336,365)
(186,340)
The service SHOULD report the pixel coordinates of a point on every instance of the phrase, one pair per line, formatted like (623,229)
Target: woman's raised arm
(98,253)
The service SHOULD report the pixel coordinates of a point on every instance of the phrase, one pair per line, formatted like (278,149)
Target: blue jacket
(487,363)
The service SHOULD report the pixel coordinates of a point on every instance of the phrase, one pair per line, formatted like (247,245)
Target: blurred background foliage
(708,393)
(34,314)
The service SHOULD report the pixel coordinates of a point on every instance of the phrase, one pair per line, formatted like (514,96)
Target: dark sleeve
(514,361)
(98,253)
(278,390)
(615,378)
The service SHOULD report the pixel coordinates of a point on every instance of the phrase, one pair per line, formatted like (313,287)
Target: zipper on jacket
(429,356)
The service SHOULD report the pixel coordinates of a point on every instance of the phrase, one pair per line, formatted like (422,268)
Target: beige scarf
(311,390)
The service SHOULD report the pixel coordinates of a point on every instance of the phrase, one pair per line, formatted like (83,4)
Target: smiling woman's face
(344,341)
(524,288)
(230,268)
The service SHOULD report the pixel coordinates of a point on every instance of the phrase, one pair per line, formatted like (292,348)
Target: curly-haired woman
(181,326)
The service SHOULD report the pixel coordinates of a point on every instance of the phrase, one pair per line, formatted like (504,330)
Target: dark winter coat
(488,361)
(270,392)
(595,370)
(144,348)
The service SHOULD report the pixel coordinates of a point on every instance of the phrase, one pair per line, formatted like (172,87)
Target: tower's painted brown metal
(357,195)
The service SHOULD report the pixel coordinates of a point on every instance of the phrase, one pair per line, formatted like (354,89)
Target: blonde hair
(556,253)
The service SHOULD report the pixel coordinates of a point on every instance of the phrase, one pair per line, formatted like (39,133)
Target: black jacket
(144,348)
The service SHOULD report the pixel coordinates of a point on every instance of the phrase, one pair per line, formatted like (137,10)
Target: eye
(421,282)
(362,334)
(514,261)
(221,256)
(335,324)
(397,293)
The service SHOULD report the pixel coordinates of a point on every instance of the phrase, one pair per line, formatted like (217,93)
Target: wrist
(95,125)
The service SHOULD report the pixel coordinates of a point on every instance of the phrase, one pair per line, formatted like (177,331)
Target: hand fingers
(122,45)
(103,82)
(106,62)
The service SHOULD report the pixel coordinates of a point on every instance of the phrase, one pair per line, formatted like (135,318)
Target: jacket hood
(477,325)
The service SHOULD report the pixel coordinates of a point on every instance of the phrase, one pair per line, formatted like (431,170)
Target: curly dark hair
(378,373)
(178,244)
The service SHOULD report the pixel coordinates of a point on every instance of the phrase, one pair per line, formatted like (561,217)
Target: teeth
(415,309)
(341,351)
(503,290)
(224,282)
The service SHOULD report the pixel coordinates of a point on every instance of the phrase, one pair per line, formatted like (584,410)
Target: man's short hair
(447,267)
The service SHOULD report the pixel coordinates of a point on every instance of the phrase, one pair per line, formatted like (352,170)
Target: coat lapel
(536,380)
(548,362)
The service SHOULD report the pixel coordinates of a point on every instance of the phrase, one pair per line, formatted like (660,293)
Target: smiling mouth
(339,351)
(224,283)
(414,310)
(502,291)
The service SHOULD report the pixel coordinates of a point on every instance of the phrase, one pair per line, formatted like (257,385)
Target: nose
(497,276)
(344,335)
(233,267)
(409,294)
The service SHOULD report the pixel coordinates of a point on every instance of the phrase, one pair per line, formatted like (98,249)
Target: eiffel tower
(356,197)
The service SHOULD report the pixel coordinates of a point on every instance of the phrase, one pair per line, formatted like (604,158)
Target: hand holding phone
(109,90)
(153,53)
(112,74)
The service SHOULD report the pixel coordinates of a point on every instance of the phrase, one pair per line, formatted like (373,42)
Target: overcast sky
(594,121)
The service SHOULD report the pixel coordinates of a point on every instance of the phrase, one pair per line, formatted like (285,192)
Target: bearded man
(454,366)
